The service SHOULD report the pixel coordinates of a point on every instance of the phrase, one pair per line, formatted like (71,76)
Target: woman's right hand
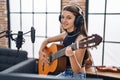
(44,57)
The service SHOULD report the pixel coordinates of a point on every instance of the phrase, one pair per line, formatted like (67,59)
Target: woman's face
(67,20)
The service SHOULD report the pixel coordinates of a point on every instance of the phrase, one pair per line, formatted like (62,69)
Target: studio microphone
(19,39)
(32,34)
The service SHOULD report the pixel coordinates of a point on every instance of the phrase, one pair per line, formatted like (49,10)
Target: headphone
(79,20)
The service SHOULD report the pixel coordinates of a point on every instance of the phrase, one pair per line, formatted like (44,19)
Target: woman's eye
(68,17)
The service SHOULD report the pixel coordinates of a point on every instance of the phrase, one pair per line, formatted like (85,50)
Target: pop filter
(32,34)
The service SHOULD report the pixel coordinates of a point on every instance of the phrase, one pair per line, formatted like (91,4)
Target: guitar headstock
(90,41)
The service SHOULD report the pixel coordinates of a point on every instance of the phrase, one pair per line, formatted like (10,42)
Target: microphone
(19,39)
(32,34)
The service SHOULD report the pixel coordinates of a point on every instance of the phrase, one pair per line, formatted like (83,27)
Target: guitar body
(56,65)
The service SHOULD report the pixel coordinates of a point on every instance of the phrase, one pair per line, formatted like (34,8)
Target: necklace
(72,34)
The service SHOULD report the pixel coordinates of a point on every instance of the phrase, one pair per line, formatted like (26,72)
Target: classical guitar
(56,54)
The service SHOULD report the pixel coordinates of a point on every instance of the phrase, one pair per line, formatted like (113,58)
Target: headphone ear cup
(79,21)
(60,18)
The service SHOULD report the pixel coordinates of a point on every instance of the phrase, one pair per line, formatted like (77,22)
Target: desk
(104,74)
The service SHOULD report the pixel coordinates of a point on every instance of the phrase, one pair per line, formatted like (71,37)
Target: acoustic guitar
(56,54)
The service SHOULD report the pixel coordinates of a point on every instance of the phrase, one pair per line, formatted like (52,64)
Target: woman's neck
(70,30)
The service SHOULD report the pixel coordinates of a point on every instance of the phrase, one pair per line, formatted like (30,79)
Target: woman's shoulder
(63,34)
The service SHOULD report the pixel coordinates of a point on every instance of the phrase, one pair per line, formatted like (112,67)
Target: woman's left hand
(69,52)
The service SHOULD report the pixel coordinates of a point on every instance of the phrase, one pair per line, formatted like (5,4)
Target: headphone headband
(79,8)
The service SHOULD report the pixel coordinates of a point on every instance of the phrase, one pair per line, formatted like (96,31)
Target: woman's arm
(76,57)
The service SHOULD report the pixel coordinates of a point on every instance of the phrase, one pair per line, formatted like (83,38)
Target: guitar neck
(88,42)
(61,52)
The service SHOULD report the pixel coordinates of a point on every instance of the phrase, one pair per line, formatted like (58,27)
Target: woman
(74,27)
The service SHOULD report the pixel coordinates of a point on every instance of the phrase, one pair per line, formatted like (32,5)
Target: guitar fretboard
(61,52)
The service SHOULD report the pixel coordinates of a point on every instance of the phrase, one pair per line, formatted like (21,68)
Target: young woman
(73,23)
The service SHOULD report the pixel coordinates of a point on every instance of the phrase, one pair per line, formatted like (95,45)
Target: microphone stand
(2,33)
(7,33)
